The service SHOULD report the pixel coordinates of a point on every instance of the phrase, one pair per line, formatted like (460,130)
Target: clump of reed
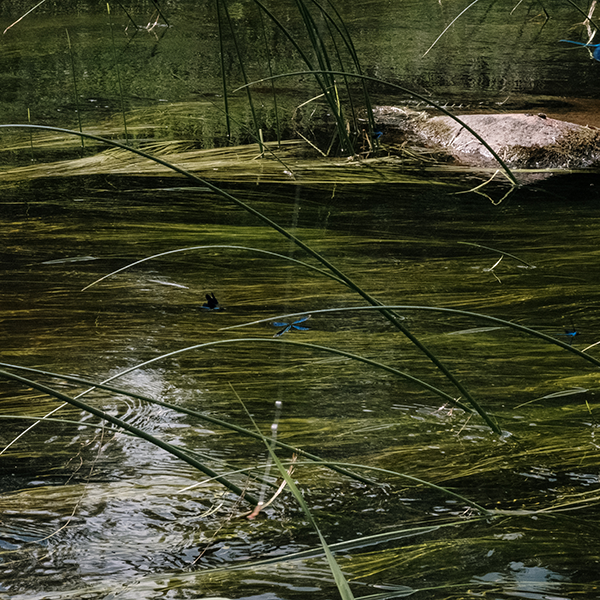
(323,46)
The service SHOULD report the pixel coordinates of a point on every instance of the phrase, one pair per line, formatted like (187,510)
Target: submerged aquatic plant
(364,563)
(188,456)
(371,556)
(389,315)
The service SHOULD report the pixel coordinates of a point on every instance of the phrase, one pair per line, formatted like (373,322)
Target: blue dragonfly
(595,53)
(570,333)
(294,326)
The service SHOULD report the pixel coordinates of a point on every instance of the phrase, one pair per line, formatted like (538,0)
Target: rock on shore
(532,141)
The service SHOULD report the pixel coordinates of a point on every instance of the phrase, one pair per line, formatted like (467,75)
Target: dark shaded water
(90,509)
(494,56)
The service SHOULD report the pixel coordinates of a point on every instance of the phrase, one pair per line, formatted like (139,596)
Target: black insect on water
(211,302)
(294,326)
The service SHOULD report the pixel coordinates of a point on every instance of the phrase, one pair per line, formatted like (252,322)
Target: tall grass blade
(223,74)
(77,108)
(448,27)
(338,24)
(337,88)
(257,128)
(270,68)
(210,247)
(329,85)
(340,580)
(269,340)
(118,71)
(175,408)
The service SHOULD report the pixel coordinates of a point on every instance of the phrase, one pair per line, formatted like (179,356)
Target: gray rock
(521,140)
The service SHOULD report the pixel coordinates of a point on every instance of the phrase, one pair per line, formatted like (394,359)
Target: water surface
(91,507)
(88,511)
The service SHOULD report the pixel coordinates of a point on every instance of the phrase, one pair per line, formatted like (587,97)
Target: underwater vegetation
(430,432)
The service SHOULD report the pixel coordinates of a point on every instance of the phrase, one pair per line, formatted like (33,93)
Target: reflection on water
(530,582)
(495,55)
(86,506)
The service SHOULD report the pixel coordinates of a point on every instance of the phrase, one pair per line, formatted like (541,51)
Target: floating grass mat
(156,123)
(285,162)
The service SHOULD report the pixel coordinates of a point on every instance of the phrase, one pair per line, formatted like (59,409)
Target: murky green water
(88,511)
(85,507)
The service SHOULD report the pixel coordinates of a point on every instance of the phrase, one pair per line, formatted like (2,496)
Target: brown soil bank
(532,141)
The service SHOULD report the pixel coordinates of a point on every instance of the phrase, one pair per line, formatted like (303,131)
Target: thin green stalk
(340,62)
(210,247)
(136,28)
(270,66)
(346,40)
(340,581)
(75,86)
(349,282)
(118,71)
(446,397)
(223,76)
(257,127)
(448,27)
(131,429)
